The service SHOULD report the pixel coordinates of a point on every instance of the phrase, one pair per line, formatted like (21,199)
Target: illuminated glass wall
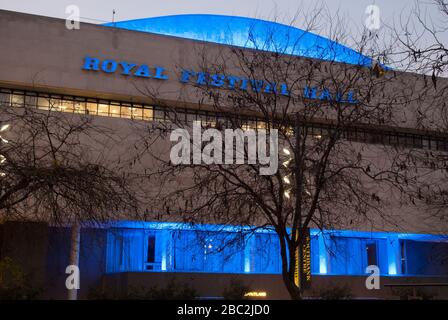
(173,247)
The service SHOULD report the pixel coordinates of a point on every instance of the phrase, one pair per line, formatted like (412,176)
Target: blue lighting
(180,247)
(248,33)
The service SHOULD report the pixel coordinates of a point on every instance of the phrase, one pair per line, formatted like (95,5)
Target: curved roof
(248,33)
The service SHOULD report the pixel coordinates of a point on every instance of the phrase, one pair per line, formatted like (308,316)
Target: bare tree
(420,39)
(52,168)
(343,164)
(421,46)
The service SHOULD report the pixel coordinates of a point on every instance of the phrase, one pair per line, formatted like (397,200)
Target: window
(159,115)
(30,101)
(152,263)
(125,250)
(424,258)
(5,98)
(393,139)
(17,100)
(43,103)
(352,255)
(67,105)
(417,142)
(126,111)
(55,103)
(137,112)
(266,254)
(403,257)
(202,251)
(371,252)
(426,143)
(103,109)
(147,113)
(375,253)
(91,108)
(114,110)
(191,117)
(441,145)
(79,107)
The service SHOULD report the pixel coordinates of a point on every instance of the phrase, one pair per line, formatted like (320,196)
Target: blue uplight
(182,247)
(248,33)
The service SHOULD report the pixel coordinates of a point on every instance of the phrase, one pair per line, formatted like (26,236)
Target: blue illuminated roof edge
(212,28)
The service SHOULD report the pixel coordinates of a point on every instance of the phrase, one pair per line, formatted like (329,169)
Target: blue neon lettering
(109,66)
(186,75)
(127,67)
(159,74)
(142,71)
(91,64)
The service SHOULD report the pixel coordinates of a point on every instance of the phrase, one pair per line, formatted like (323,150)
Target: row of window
(191,251)
(211,119)
(82,106)
(141,250)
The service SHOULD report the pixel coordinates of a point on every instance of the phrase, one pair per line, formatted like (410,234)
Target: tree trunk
(293,286)
(72,294)
(294,291)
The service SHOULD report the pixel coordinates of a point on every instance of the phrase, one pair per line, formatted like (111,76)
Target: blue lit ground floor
(125,256)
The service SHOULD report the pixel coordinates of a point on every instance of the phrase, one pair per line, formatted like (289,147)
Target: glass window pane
(147,113)
(371,254)
(5,98)
(126,112)
(17,100)
(54,104)
(114,111)
(151,249)
(261,125)
(91,108)
(66,106)
(103,109)
(80,107)
(30,101)
(43,103)
(191,117)
(170,116)
(137,113)
(426,143)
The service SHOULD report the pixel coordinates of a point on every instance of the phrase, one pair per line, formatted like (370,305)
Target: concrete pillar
(165,249)
(249,249)
(393,255)
(323,256)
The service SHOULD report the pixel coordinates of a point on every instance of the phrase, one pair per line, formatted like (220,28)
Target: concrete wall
(272,284)
(56,66)
(58,53)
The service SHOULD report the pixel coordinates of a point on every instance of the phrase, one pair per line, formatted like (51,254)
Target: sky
(101,10)
(352,11)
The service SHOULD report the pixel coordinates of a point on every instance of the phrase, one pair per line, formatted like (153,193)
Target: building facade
(96,71)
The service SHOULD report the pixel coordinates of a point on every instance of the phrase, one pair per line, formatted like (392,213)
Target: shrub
(172,291)
(334,292)
(14,282)
(235,291)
